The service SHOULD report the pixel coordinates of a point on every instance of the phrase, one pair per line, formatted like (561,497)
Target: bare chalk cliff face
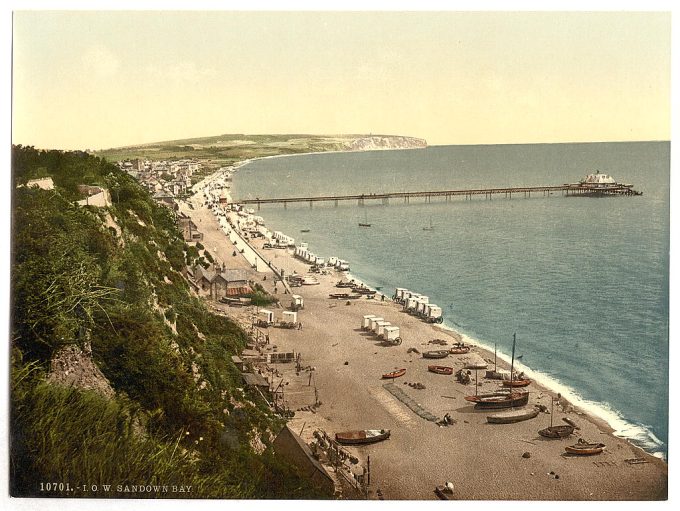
(73,366)
(377,142)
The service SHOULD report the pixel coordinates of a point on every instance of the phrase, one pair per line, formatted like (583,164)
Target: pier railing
(577,189)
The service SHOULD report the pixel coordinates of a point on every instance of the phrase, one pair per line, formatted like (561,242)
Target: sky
(100,79)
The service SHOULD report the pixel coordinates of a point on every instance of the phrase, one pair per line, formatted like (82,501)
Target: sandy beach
(483,461)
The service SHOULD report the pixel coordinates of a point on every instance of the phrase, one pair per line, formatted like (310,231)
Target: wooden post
(368,467)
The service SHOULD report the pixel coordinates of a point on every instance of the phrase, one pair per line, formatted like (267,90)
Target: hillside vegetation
(226,149)
(108,280)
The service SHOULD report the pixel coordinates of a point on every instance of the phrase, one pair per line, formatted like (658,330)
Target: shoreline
(611,419)
(326,362)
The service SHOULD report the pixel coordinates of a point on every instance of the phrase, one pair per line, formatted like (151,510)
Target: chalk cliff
(376,142)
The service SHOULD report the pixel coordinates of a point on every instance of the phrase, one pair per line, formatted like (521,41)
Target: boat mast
(495,365)
(512,364)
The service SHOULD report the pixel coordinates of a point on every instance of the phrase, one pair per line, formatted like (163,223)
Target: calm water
(583,281)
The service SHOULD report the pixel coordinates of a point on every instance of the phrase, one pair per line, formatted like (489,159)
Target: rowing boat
(436,354)
(516,383)
(394,374)
(583,448)
(556,431)
(440,369)
(512,416)
(363,436)
(499,400)
(459,348)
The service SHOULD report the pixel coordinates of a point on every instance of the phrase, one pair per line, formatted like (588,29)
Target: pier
(569,190)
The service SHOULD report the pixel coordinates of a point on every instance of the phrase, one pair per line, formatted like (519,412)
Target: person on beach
(300,326)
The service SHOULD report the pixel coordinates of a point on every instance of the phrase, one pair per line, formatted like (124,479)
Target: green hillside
(229,148)
(110,278)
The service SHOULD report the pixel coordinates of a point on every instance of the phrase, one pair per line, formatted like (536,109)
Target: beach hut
(399,294)
(420,306)
(411,304)
(332,261)
(289,318)
(297,303)
(265,316)
(372,322)
(434,314)
(381,325)
(391,333)
(366,323)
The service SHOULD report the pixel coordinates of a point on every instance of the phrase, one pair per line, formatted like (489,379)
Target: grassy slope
(180,415)
(229,148)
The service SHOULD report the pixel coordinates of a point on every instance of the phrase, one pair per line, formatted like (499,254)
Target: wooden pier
(569,190)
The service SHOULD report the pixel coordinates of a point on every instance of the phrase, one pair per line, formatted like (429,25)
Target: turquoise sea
(582,281)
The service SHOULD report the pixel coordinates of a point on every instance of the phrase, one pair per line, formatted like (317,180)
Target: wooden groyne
(570,190)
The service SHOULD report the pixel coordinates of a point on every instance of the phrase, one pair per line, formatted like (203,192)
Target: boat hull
(440,369)
(436,354)
(584,449)
(516,383)
(511,417)
(394,374)
(497,401)
(556,431)
(459,351)
(362,437)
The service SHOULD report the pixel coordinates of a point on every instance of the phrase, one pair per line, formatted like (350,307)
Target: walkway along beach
(483,461)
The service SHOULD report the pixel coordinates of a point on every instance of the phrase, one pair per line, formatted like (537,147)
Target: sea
(583,282)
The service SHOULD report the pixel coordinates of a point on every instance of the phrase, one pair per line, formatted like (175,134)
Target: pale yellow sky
(104,79)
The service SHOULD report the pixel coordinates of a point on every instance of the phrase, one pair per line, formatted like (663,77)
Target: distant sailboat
(365,223)
(430,227)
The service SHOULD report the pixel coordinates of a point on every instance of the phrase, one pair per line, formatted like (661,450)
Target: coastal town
(350,368)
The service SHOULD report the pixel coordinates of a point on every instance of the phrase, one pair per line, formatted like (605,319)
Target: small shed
(255,380)
(238,362)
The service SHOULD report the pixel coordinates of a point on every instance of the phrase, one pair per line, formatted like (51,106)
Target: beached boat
(499,400)
(561,431)
(583,448)
(310,281)
(502,399)
(339,295)
(362,436)
(512,416)
(516,383)
(459,349)
(394,374)
(440,369)
(364,291)
(436,354)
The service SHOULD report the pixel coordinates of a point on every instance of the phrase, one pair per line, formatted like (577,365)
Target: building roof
(254,380)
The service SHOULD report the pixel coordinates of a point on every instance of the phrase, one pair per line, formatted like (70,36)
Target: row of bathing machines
(418,305)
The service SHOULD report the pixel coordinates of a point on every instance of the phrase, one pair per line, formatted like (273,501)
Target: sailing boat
(561,430)
(365,223)
(430,228)
(501,399)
